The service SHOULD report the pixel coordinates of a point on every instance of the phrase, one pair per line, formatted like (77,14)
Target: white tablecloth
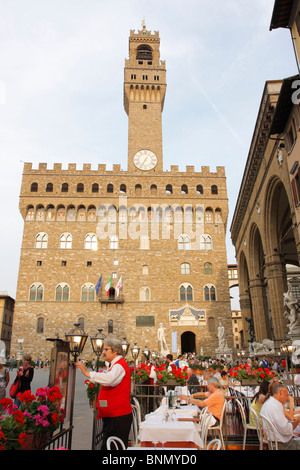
(154,429)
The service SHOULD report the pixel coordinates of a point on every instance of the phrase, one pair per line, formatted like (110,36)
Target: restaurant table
(156,432)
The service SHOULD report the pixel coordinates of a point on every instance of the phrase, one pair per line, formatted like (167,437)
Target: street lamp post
(97,345)
(76,339)
(146,353)
(135,350)
(125,347)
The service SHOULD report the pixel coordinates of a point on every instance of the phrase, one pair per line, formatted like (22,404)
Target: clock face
(145,160)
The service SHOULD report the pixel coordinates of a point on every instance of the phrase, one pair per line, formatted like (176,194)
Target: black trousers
(118,426)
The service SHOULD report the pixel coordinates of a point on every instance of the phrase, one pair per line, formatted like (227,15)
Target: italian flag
(108,286)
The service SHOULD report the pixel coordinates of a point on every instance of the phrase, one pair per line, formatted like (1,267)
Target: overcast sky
(61,89)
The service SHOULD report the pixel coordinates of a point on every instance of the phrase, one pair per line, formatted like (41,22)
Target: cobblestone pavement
(83,414)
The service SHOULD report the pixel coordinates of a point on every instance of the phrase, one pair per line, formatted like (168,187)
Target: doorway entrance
(188,342)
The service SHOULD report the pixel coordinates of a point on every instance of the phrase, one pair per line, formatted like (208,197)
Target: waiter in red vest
(113,402)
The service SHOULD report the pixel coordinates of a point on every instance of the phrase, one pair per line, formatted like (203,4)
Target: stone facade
(264,229)
(161,232)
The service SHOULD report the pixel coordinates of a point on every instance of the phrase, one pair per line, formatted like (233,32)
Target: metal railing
(61,439)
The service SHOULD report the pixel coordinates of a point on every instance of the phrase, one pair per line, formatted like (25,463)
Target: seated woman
(258,401)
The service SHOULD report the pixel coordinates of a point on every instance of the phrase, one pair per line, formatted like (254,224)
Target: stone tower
(144,95)
(155,237)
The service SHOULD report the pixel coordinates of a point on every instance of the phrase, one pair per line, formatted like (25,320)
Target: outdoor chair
(138,407)
(134,430)
(270,433)
(219,425)
(116,442)
(204,427)
(247,426)
(215,444)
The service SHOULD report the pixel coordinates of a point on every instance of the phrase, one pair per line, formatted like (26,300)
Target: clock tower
(144,94)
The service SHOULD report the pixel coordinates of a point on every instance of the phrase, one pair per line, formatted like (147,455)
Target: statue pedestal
(295,337)
(295,334)
(224,353)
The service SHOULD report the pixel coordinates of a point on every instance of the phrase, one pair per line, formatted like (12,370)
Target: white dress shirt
(273,410)
(112,377)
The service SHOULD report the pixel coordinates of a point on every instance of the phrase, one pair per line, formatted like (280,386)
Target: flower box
(32,425)
(249,382)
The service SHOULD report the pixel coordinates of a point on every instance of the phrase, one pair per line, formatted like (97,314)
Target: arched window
(185,268)
(145,294)
(110,326)
(65,241)
(186,292)
(214,189)
(208,268)
(110,188)
(34,187)
(184,242)
(184,189)
(90,242)
(199,189)
(144,52)
(36,292)
(111,293)
(123,189)
(205,242)
(40,325)
(145,269)
(80,188)
(64,188)
(114,242)
(169,189)
(49,188)
(88,293)
(62,293)
(209,292)
(41,240)
(95,188)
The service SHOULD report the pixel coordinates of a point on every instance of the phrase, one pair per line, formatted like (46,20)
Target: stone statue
(296,354)
(250,330)
(2,351)
(163,348)
(222,340)
(266,347)
(293,314)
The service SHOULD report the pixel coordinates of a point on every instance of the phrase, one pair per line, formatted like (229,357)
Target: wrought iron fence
(61,439)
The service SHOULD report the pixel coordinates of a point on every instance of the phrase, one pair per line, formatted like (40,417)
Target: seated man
(273,410)
(214,399)
(193,382)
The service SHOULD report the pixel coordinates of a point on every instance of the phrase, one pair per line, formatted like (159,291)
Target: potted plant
(38,417)
(91,390)
(251,376)
(12,427)
(142,373)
